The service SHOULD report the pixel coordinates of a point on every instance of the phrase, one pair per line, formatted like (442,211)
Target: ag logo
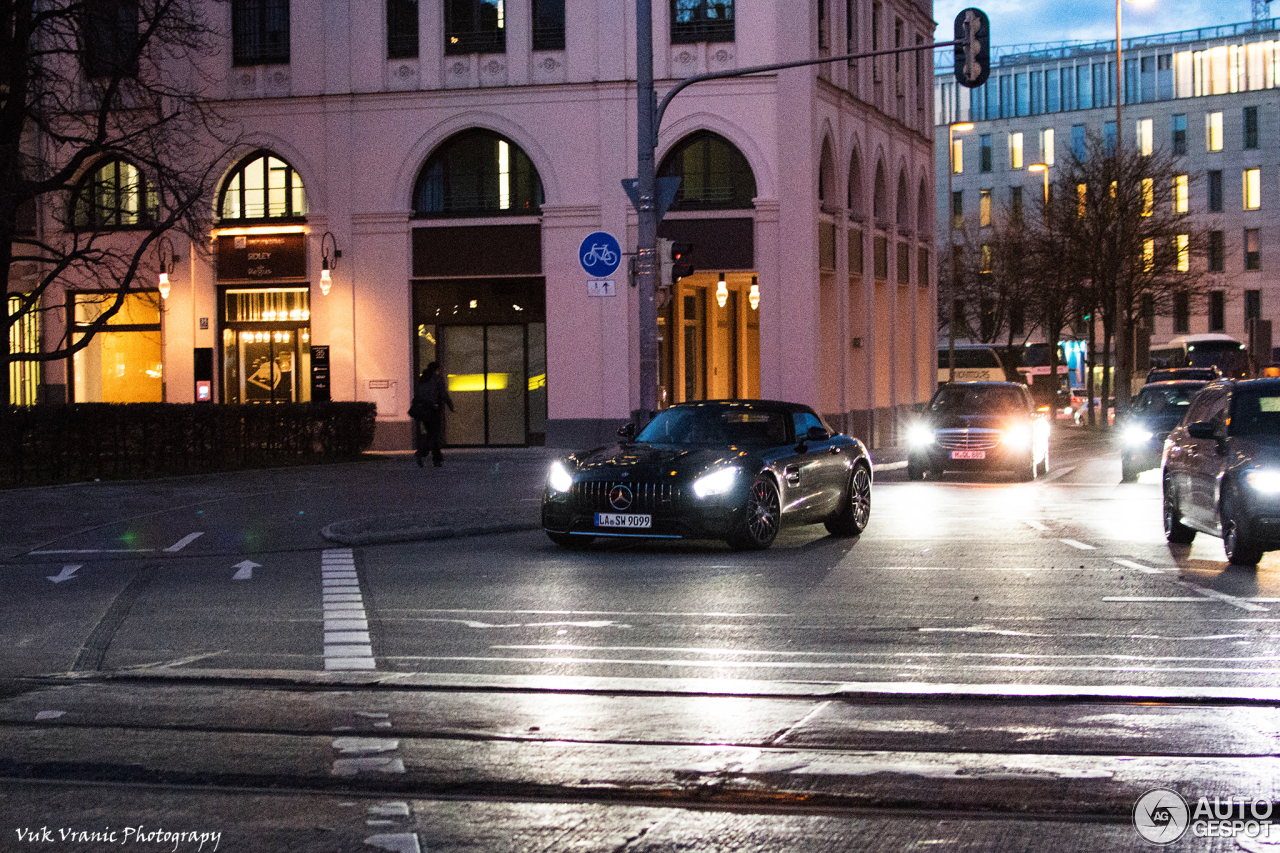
(1161,816)
(620,497)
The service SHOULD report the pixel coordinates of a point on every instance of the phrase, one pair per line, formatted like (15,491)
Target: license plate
(968,454)
(623,519)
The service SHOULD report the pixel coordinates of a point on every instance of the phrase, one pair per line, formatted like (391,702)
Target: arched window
(857,209)
(922,213)
(262,187)
(904,205)
(115,195)
(478,173)
(880,200)
(826,176)
(713,174)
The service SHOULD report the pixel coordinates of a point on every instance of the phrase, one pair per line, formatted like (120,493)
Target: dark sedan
(979,426)
(1155,411)
(723,469)
(1222,469)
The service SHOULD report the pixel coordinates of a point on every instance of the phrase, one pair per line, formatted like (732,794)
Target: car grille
(593,495)
(967,439)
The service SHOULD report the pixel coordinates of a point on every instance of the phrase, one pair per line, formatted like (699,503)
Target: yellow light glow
(463,382)
(536,382)
(261,229)
(164,285)
(753,296)
(722,293)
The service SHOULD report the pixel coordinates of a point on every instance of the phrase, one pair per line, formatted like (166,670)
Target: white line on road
(1155,599)
(346,628)
(1225,599)
(184,542)
(1034,525)
(96,551)
(1060,472)
(1078,545)
(1129,564)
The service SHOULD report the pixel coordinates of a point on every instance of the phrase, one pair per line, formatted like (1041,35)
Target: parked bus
(1212,350)
(973,364)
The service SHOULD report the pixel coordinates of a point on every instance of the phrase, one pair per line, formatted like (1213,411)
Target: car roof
(981,384)
(780,405)
(1264,383)
(1177,383)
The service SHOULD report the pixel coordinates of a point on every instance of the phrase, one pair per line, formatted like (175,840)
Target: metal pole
(951,254)
(1122,382)
(647,239)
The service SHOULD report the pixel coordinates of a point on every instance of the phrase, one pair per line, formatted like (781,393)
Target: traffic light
(681,261)
(973,48)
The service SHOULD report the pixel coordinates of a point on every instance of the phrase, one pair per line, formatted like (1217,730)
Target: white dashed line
(1034,525)
(346,628)
(1129,564)
(1077,545)
(183,542)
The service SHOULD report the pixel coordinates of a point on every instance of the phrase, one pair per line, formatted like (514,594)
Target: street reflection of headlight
(1017,437)
(715,483)
(919,435)
(1136,435)
(559,478)
(1264,480)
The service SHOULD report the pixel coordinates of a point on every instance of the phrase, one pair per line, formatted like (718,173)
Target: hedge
(86,441)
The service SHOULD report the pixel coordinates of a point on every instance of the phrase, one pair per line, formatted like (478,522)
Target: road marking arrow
(67,573)
(246,568)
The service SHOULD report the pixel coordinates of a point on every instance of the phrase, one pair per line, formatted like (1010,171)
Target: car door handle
(835,450)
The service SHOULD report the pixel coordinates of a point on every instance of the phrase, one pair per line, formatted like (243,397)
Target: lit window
(1148,254)
(1181,194)
(1046,146)
(984,208)
(1148,196)
(957,156)
(477,173)
(986,258)
(1082,194)
(1213,131)
(1252,189)
(263,187)
(114,196)
(1145,136)
(701,20)
(1183,243)
(1015,151)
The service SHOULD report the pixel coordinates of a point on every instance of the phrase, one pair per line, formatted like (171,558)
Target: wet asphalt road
(993,665)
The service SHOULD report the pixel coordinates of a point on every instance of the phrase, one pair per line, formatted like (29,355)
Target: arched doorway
(479,297)
(709,330)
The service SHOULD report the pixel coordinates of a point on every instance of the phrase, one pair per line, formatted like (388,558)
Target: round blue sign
(600,254)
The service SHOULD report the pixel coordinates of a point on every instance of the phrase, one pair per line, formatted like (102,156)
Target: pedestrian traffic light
(973,48)
(681,261)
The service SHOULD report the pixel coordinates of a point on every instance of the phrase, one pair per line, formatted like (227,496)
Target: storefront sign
(260,257)
(320,373)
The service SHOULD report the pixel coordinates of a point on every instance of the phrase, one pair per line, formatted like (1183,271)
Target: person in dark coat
(430,396)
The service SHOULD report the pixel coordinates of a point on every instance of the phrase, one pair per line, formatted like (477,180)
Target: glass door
(460,351)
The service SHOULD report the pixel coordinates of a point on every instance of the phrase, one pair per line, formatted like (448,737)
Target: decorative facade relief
(549,68)
(402,75)
(722,58)
(493,71)
(458,73)
(277,83)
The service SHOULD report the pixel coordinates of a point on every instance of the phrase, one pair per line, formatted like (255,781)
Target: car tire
(761,517)
(855,506)
(1027,471)
(915,470)
(568,540)
(1175,532)
(1237,541)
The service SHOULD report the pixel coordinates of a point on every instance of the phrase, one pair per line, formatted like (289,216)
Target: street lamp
(952,130)
(1123,345)
(1042,167)
(329,254)
(167,259)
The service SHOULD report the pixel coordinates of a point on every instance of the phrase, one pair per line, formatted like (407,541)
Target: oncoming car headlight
(1135,435)
(715,483)
(1264,480)
(559,478)
(919,435)
(1018,437)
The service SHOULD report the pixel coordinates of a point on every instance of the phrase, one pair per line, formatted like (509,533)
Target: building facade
(414,180)
(1208,96)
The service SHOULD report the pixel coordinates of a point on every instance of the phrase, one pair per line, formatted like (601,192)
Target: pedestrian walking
(430,396)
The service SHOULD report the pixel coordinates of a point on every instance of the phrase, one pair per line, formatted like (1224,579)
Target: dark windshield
(715,425)
(1256,413)
(978,400)
(1165,401)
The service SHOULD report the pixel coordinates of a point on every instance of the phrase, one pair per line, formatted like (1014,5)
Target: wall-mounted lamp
(722,292)
(329,254)
(753,296)
(166,259)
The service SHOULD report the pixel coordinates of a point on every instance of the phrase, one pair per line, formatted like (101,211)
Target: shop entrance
(266,345)
(709,339)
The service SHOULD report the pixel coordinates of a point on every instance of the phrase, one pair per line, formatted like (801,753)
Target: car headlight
(559,478)
(1135,435)
(1017,437)
(1264,480)
(715,483)
(919,435)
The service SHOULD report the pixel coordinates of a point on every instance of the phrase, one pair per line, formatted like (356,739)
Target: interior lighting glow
(477,381)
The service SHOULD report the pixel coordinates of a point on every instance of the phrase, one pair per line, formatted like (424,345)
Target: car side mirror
(1202,429)
(627,431)
(816,433)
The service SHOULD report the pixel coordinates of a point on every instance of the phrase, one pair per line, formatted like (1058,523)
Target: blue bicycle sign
(599,254)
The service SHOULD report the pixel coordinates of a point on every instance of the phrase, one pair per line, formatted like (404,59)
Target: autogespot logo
(1161,816)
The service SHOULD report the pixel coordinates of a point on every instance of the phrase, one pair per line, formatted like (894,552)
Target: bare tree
(105,144)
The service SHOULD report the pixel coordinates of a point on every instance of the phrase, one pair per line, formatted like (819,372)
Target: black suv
(1222,469)
(1153,414)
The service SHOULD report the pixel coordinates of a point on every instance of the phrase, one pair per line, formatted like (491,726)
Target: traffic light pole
(648,120)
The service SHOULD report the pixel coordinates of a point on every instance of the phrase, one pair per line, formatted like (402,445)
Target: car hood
(644,461)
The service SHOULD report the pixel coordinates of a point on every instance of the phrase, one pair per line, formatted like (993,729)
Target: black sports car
(723,469)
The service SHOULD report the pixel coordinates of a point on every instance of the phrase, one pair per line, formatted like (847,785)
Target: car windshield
(1166,401)
(978,400)
(716,426)
(1256,413)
